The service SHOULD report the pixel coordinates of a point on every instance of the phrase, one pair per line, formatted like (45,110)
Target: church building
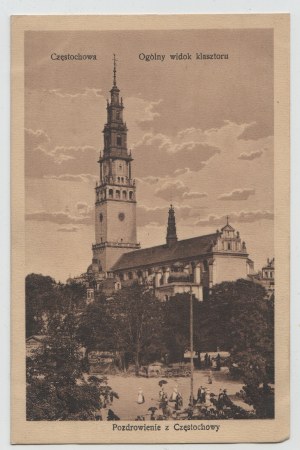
(176,266)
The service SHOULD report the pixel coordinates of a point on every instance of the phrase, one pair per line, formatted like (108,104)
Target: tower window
(101,217)
(119,141)
(131,195)
(124,195)
(229,246)
(117,194)
(110,193)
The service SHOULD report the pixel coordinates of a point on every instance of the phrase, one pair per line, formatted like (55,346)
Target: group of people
(205,405)
(106,399)
(209,362)
(204,397)
(175,399)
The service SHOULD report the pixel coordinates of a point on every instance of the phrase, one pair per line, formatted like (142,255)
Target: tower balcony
(116,244)
(115,152)
(118,181)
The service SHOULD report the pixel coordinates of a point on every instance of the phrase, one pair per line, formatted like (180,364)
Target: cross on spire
(115,69)
(227,218)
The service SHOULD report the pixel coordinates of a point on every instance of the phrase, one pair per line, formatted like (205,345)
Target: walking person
(162,394)
(141,398)
(174,395)
(206,360)
(199,395)
(178,402)
(111,397)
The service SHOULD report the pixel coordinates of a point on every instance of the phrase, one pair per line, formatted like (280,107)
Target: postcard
(150,208)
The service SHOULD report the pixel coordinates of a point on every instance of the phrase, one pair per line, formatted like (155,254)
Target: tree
(176,332)
(95,325)
(56,386)
(137,324)
(247,320)
(44,298)
(41,296)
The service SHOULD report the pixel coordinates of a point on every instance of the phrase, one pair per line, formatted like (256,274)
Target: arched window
(118,179)
(117,194)
(130,195)
(205,265)
(130,275)
(119,140)
(110,193)
(229,246)
(124,194)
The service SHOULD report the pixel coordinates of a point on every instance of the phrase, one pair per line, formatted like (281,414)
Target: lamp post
(192,346)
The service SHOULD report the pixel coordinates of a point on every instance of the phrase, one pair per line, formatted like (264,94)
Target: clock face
(121,216)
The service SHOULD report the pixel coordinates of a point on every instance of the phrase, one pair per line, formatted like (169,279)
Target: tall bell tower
(115,206)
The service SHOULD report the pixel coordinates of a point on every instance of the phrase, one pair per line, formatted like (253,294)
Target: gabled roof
(187,248)
(227,227)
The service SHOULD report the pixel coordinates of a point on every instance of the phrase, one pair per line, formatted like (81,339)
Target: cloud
(36,137)
(76,93)
(165,156)
(193,194)
(237,194)
(250,156)
(68,229)
(242,216)
(83,208)
(171,190)
(82,177)
(152,179)
(148,180)
(41,160)
(255,131)
(177,190)
(182,171)
(149,112)
(61,217)
(159,215)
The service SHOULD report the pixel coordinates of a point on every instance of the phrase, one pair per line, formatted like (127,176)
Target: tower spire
(115,70)
(171,229)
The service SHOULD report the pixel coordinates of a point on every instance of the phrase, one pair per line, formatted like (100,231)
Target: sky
(200,131)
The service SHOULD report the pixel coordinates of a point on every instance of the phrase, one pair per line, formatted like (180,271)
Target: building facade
(266,277)
(176,266)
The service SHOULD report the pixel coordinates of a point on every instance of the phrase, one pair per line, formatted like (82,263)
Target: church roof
(187,248)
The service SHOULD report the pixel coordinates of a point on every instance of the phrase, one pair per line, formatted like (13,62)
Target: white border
(19,7)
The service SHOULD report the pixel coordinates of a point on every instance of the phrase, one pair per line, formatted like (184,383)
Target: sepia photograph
(149,249)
